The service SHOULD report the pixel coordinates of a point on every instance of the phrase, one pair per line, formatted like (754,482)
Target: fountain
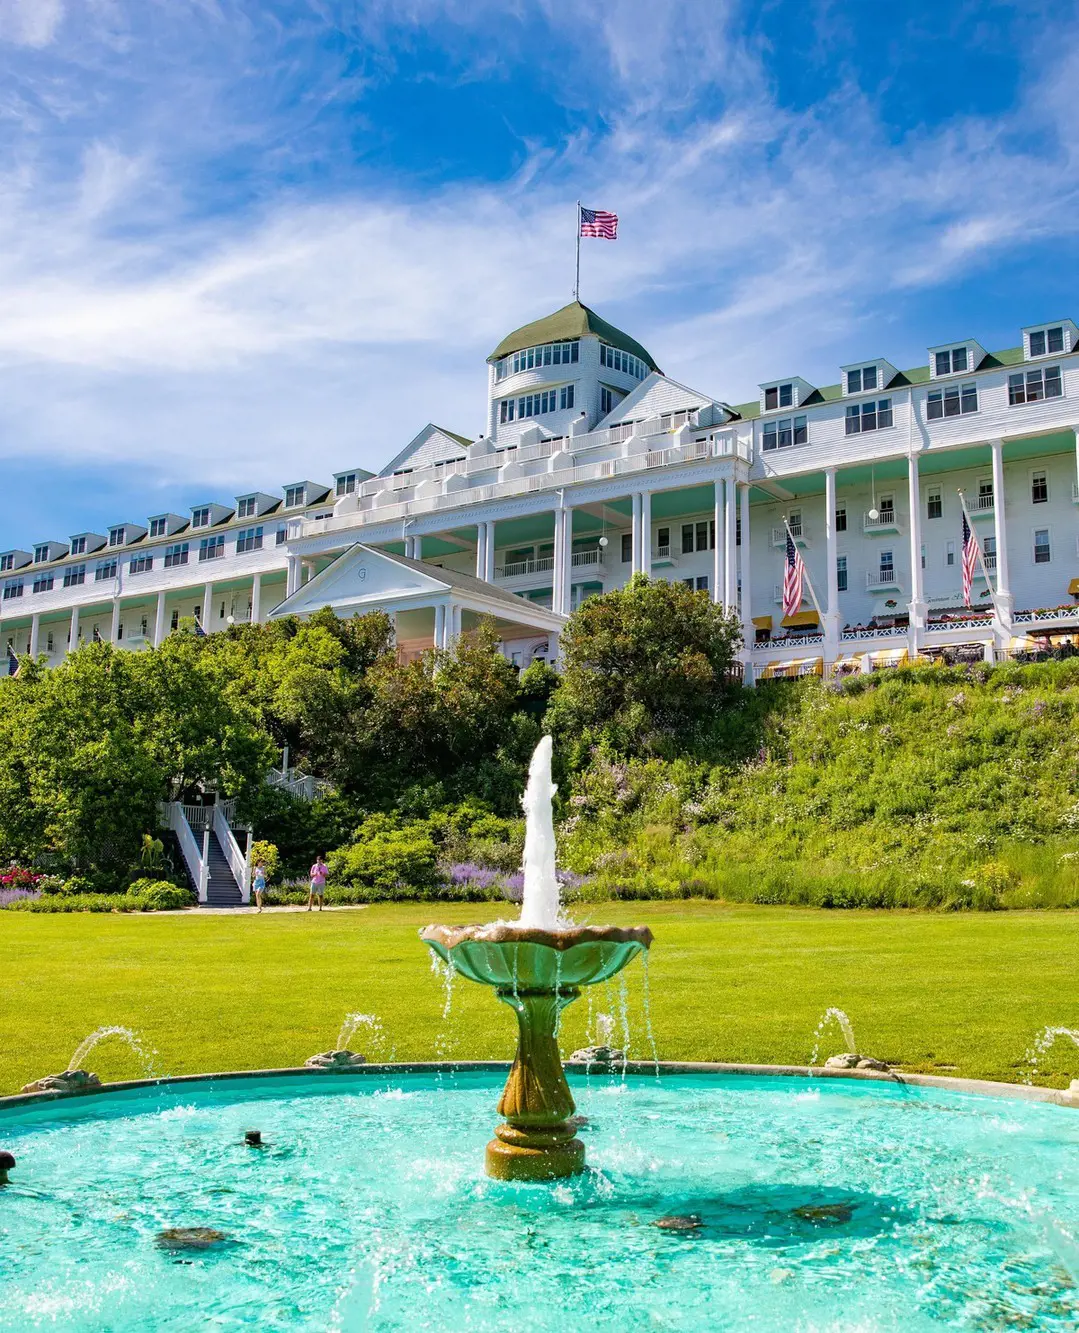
(850,1058)
(76,1079)
(537,966)
(341,1057)
(1041,1047)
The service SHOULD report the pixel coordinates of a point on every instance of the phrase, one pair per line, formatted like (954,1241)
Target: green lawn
(961,993)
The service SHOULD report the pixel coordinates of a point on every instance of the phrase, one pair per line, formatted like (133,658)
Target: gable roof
(433,444)
(572,321)
(654,396)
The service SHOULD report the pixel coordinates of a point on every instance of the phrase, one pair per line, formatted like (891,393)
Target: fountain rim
(562,939)
(635,1068)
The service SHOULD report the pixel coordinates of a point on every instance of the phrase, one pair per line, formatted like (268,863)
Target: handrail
(236,859)
(189,847)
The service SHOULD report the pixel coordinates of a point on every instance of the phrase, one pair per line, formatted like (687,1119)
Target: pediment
(653,397)
(361,577)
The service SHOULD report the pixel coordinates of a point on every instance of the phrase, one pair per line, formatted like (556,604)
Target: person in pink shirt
(319,871)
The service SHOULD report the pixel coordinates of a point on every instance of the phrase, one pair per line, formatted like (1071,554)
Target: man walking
(319,871)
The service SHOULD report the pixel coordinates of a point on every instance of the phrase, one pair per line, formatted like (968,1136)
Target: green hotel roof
(832,393)
(572,321)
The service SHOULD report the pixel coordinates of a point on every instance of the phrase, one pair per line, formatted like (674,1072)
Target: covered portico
(430,606)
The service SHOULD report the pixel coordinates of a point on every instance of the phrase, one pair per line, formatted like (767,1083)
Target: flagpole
(978,548)
(577,279)
(809,581)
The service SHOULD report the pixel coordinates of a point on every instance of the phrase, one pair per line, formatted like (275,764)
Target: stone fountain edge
(978,1087)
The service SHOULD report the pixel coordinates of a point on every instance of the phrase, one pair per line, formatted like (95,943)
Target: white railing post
(204,875)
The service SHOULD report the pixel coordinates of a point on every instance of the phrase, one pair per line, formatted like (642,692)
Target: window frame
(249,539)
(934,495)
(1048,380)
(141,564)
(177,555)
(212,547)
(1047,547)
(1035,473)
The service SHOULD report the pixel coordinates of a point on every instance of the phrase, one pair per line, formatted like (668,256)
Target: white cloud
(30,22)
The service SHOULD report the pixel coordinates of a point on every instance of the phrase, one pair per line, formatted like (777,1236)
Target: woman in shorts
(319,872)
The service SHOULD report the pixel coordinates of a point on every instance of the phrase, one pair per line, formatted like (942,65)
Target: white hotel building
(593,465)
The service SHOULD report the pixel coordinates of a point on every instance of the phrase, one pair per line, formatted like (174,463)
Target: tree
(644,667)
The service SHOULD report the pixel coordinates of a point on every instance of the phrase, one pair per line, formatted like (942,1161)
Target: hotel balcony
(524,568)
(798,531)
(982,506)
(879,580)
(886,521)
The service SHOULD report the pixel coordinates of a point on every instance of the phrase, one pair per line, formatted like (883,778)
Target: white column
(35,631)
(481,550)
(831,615)
(718,572)
(637,502)
(1003,599)
(293,577)
(207,607)
(73,633)
(557,572)
(458,613)
(440,625)
(646,532)
(747,586)
(417,548)
(917,608)
(730,550)
(489,553)
(159,621)
(256,599)
(567,562)
(114,628)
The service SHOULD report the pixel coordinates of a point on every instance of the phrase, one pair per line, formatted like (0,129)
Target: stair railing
(236,858)
(196,861)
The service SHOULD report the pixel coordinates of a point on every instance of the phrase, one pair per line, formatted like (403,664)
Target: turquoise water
(369,1209)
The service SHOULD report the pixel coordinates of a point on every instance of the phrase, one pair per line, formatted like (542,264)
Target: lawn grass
(959,993)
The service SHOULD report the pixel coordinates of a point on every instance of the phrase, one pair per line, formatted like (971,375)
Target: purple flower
(8,896)
(467,872)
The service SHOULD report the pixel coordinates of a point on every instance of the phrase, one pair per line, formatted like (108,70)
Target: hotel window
(507,410)
(565,396)
(248,539)
(1041,546)
(282,536)
(104,571)
(887,509)
(951,402)
(537,404)
(1047,341)
(550,354)
(1034,385)
(627,547)
(116,536)
(841,572)
(159,527)
(1039,488)
(702,582)
(785,432)
(934,504)
(663,541)
(875,415)
(952,362)
(141,564)
(887,566)
(989,550)
(7,561)
(841,518)
(615,359)
(75,576)
(176,555)
(780,395)
(248,507)
(294,495)
(200,518)
(50,643)
(923,555)
(174,622)
(41,554)
(43,583)
(985,493)
(346,485)
(212,548)
(949,553)
(12,589)
(698,537)
(78,546)
(859,381)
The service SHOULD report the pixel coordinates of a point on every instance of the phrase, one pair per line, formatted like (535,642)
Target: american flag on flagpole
(969,562)
(599,223)
(793,577)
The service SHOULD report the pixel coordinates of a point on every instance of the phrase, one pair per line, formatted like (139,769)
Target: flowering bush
(16,877)
(9,896)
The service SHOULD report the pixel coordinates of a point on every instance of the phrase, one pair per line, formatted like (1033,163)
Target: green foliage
(265,854)
(645,669)
(152,855)
(388,862)
(145,895)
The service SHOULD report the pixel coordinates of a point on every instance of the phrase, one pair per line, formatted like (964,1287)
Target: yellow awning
(800,666)
(890,657)
(762,622)
(1023,643)
(769,671)
(800,618)
(1073,588)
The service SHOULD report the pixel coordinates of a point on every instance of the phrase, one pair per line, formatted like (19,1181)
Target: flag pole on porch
(978,548)
(805,574)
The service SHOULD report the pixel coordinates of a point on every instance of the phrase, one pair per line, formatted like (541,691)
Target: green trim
(572,321)
(461,439)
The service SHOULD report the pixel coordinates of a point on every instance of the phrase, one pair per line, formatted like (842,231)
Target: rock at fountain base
(71,1080)
(512,1161)
(849,1060)
(189,1238)
(597,1055)
(335,1060)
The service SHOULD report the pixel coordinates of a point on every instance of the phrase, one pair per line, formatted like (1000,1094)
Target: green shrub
(161,896)
(391,863)
(265,854)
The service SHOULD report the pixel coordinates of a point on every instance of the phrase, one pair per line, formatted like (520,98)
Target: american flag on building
(969,562)
(599,223)
(793,577)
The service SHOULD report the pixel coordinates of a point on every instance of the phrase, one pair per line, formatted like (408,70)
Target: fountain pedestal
(537,973)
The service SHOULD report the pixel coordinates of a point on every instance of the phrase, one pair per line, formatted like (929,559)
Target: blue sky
(245,242)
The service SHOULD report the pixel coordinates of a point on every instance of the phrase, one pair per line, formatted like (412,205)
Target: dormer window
(859,381)
(7,561)
(346,483)
(1047,342)
(247,507)
(41,554)
(159,527)
(953,361)
(294,495)
(200,518)
(116,536)
(779,395)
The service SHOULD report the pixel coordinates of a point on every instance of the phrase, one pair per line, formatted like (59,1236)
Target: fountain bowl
(537,973)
